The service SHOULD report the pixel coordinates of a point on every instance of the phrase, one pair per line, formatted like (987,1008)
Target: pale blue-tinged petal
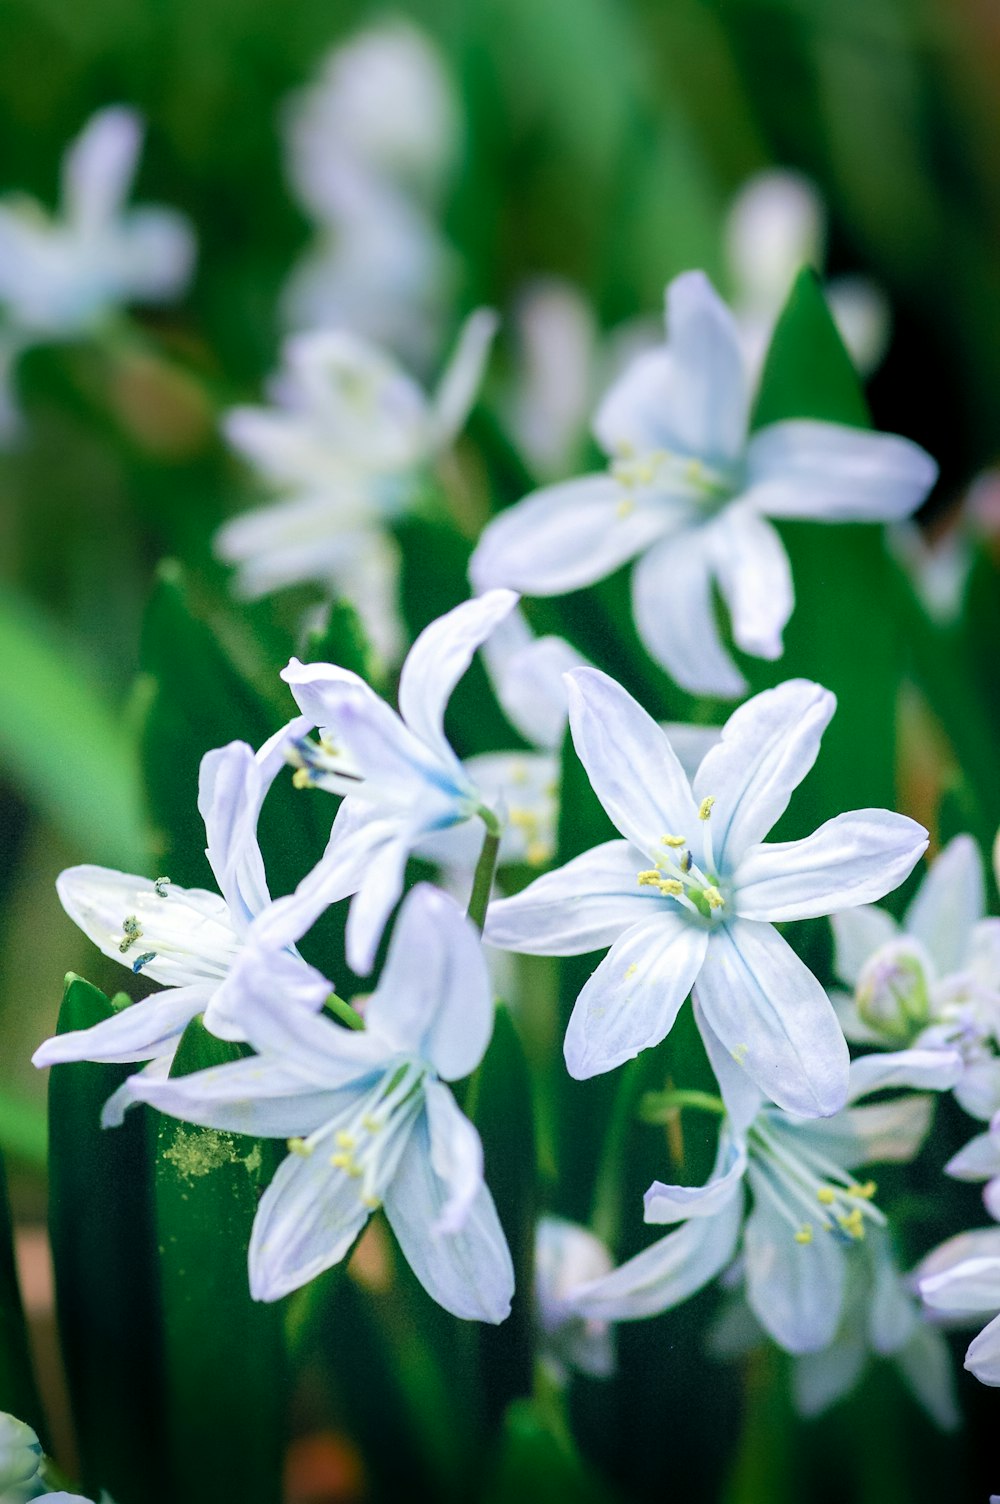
(676,1203)
(693,396)
(526,673)
(260,978)
(114,1110)
(524,788)
(991,1197)
(153,253)
(854,1027)
(742,1096)
(795,1289)
(375,900)
(926,1367)
(966,1289)
(139,1032)
(983,959)
(773,1016)
(826,472)
(820,1379)
(977,1091)
(921,1070)
(630,763)
(878,1133)
(460,380)
(851,859)
(630,1002)
(582,906)
(469,1272)
(950,901)
(980,1243)
(456,1156)
(857,934)
(99,165)
(567,536)
(307,1220)
(978,1160)
(666,1273)
(893,1315)
(675,615)
(755,578)
(434,998)
(767,747)
(261,1097)
(439,658)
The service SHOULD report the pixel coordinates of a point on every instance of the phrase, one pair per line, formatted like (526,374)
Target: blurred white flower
(566,1257)
(20,1460)
(960,1282)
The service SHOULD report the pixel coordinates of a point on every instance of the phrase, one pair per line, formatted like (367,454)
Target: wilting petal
(826,472)
(768,746)
(857,934)
(949,903)
(675,615)
(676,1203)
(566,536)
(140,1032)
(795,1289)
(852,859)
(439,658)
(580,907)
(770,1012)
(632,999)
(923,1070)
(461,378)
(630,763)
(755,578)
(469,1272)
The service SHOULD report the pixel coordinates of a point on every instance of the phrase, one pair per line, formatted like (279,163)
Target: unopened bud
(892,992)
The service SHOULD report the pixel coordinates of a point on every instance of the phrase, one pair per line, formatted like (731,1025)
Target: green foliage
(18,1389)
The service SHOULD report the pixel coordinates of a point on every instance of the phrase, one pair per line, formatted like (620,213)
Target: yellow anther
(518,773)
(371,1124)
(300,1147)
(864,1192)
(694,470)
(301,778)
(739,1054)
(673,840)
(523,819)
(372,1202)
(671,887)
(344,1139)
(630,971)
(853,1223)
(713,897)
(354,1170)
(342,1161)
(625,507)
(536,853)
(329,746)
(805,1233)
(826,1194)
(649,879)
(705,807)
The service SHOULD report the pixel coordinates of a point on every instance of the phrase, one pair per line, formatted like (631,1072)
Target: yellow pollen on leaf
(705,807)
(805,1233)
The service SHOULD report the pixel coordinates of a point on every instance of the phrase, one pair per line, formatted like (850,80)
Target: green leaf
(342,640)
(100,1225)
(63,743)
(18,1390)
(808,372)
(537,1460)
(226,1389)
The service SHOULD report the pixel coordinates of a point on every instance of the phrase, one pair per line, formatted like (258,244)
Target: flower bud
(892,994)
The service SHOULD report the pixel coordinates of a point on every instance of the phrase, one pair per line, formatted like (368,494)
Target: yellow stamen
(300,1147)
(372,1203)
(671,887)
(344,1139)
(536,853)
(625,508)
(673,840)
(630,971)
(713,897)
(705,807)
(342,1161)
(301,778)
(649,879)
(371,1124)
(805,1233)
(865,1192)
(826,1194)
(740,1053)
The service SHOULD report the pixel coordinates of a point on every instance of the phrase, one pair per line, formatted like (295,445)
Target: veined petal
(949,903)
(469,1271)
(632,999)
(742,1096)
(827,472)
(460,380)
(177,936)
(582,906)
(676,1203)
(434,998)
(439,658)
(630,763)
(795,1289)
(666,1273)
(852,859)
(142,1031)
(755,578)
(566,536)
(767,747)
(770,1012)
(456,1156)
(261,1097)
(924,1070)
(256,978)
(675,615)
(967,1289)
(857,934)
(99,166)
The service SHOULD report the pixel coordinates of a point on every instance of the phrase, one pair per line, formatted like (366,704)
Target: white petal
(857,934)
(893,1315)
(852,859)
(924,1070)
(140,1032)
(439,658)
(262,1098)
(434,998)
(524,788)
(566,536)
(926,1366)
(675,615)
(469,1272)
(755,578)
(743,1098)
(580,907)
(770,1012)
(693,396)
(768,746)
(456,1156)
(820,1379)
(527,675)
(462,376)
(99,166)
(968,1288)
(691,743)
(632,999)
(375,900)
(153,253)
(774,227)
(978,1090)
(981,1243)
(861,312)
(796,1290)
(630,763)
(676,1203)
(827,472)
(878,1133)
(950,901)
(978,1160)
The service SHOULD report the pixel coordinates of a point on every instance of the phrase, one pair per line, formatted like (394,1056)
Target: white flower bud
(892,993)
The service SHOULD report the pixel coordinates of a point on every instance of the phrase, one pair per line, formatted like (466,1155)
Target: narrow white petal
(676,1203)
(977,1091)
(893,1314)
(140,1032)
(922,1070)
(978,1160)
(461,378)
(675,615)
(796,1290)
(456,1156)
(262,1098)
(926,1366)
(632,999)
(981,1243)
(770,1012)
(820,1379)
(755,578)
(949,903)
(877,1133)
(767,747)
(968,1288)
(827,472)
(527,676)
(99,166)
(742,1096)
(375,900)
(857,934)
(853,859)
(582,906)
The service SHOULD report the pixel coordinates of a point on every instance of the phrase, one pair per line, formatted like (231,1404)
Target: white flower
(20,1460)
(401,780)
(690,490)
(935,979)
(690,896)
(567,1256)
(980,1160)
(809,1214)
(346,445)
(369,1119)
(187,939)
(961,1280)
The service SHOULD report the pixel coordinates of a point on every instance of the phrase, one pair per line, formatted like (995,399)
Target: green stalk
(482,882)
(344,1012)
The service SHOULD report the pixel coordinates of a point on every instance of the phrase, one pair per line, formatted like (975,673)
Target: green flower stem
(482,883)
(660,1106)
(344,1012)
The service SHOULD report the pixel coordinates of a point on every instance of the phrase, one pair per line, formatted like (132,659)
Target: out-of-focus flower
(809,1214)
(933,981)
(400,778)
(961,1281)
(776,225)
(369,1119)
(62,274)
(347,445)
(690,490)
(20,1460)
(689,898)
(979,1160)
(187,939)
(567,1256)
(371,147)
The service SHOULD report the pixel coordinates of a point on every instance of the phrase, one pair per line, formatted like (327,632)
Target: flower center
(682,475)
(810,1191)
(676,875)
(370,1144)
